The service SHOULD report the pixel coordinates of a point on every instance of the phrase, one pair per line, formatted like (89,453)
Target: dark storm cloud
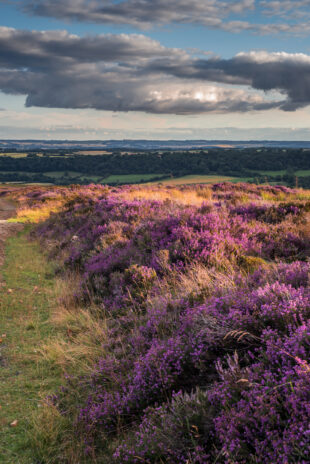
(55,48)
(134,73)
(284,72)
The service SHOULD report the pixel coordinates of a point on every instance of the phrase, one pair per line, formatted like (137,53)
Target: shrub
(207,311)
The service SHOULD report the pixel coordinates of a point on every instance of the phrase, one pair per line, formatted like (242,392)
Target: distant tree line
(230,162)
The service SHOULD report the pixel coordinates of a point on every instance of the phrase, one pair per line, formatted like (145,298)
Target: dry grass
(201,278)
(14,154)
(78,344)
(196,285)
(93,152)
(73,348)
(184,197)
(301,195)
(36,215)
(52,437)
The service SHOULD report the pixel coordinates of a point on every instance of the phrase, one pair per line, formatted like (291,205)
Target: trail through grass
(26,299)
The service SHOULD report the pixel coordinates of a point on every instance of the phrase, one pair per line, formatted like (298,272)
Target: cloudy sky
(156,69)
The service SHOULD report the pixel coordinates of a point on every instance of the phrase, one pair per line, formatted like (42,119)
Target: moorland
(157,324)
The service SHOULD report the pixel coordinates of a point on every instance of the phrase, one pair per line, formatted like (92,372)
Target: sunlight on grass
(29,215)
(27,296)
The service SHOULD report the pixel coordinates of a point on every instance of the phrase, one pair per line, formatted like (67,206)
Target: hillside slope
(199,302)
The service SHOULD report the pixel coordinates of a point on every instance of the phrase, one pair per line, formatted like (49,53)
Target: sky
(155,69)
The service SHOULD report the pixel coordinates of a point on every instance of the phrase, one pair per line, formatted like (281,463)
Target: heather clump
(271,214)
(204,297)
(264,409)
(178,431)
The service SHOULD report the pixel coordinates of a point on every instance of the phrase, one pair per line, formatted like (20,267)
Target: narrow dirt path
(7,210)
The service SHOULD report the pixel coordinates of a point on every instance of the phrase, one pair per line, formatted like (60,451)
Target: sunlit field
(14,155)
(194,179)
(92,152)
(195,301)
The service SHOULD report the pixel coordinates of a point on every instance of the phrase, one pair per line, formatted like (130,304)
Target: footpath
(7,210)
(27,295)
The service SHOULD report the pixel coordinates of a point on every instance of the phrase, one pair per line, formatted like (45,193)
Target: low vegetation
(27,295)
(182,331)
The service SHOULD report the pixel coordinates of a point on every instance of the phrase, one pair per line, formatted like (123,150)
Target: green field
(76,177)
(114,179)
(18,154)
(72,175)
(303,173)
(137,178)
(272,173)
(60,174)
(90,178)
(18,172)
(12,182)
(14,155)
(242,179)
(129,178)
(92,152)
(196,179)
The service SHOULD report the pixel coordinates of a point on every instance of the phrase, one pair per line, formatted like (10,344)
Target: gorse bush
(206,307)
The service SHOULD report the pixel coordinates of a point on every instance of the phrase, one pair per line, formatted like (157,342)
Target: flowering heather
(207,304)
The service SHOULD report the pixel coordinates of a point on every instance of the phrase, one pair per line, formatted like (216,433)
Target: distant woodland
(289,167)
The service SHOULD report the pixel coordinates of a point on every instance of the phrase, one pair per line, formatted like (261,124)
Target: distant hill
(145,144)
